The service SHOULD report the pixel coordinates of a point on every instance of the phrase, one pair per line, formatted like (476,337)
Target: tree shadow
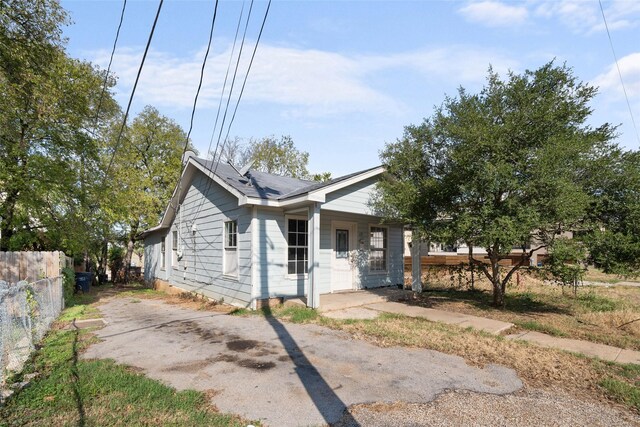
(76,379)
(521,302)
(328,403)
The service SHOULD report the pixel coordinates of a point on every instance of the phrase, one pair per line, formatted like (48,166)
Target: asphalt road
(282,374)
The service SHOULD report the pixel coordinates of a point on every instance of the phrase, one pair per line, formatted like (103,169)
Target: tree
(614,243)
(48,114)
(502,168)
(146,169)
(279,157)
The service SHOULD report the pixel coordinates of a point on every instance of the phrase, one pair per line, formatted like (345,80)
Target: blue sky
(345,77)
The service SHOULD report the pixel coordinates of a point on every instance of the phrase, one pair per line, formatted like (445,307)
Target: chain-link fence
(26,312)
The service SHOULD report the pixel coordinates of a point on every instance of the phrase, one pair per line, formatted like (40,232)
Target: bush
(116,263)
(68,283)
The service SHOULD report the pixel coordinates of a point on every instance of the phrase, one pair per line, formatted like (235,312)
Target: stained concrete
(282,374)
(602,351)
(449,317)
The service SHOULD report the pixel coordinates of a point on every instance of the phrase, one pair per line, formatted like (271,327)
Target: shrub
(68,283)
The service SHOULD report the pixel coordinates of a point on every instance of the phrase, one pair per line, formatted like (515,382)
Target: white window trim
(225,248)
(174,248)
(286,251)
(163,253)
(386,252)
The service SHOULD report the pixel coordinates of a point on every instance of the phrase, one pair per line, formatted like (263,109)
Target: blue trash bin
(83,281)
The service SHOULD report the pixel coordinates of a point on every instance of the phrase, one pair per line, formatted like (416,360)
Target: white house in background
(248,236)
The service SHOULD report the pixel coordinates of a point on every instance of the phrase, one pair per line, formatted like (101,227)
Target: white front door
(343,241)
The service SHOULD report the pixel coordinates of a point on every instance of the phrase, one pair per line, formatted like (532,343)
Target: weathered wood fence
(32,266)
(451,260)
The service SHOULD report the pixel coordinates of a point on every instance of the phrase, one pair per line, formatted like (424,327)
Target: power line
(204,63)
(135,85)
(633,121)
(233,80)
(106,76)
(224,85)
(253,55)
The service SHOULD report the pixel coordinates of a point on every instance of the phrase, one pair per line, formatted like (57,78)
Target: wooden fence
(32,266)
(450,260)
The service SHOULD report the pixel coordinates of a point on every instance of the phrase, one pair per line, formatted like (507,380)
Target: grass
(69,391)
(532,325)
(594,314)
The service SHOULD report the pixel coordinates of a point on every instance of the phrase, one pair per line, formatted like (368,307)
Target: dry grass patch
(594,314)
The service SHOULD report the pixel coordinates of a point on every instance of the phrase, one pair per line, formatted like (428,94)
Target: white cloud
(495,13)
(586,17)
(609,81)
(306,82)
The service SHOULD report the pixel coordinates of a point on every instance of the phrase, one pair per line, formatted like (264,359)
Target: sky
(343,78)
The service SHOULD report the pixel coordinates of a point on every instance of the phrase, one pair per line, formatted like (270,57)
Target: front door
(343,242)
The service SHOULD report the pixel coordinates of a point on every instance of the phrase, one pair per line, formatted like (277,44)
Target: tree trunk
(130,244)
(498,285)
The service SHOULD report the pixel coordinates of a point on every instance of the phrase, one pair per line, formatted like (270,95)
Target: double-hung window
(378,247)
(174,248)
(163,259)
(298,241)
(231,248)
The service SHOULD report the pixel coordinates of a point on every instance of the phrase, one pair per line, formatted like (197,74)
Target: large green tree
(48,118)
(614,243)
(145,171)
(500,169)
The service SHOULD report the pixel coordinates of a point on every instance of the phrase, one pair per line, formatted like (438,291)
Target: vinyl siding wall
(395,267)
(201,267)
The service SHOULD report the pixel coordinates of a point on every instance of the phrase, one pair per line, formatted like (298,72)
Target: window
(342,243)
(174,248)
(231,248)
(297,238)
(378,249)
(163,259)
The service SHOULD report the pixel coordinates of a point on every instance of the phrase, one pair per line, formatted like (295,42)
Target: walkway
(368,304)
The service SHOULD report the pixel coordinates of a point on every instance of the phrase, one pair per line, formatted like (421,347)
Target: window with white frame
(174,248)
(298,241)
(378,248)
(163,248)
(231,248)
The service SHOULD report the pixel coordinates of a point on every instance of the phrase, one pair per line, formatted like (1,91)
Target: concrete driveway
(282,374)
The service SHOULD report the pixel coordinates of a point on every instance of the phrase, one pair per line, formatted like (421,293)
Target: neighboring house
(249,236)
(461,251)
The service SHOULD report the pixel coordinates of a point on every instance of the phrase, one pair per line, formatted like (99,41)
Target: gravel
(528,407)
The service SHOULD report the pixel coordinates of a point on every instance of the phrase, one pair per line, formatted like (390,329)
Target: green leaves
(500,168)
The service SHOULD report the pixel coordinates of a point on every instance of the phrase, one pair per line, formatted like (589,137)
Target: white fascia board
(281,203)
(322,192)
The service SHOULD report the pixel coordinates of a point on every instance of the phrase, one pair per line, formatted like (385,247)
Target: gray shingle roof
(268,186)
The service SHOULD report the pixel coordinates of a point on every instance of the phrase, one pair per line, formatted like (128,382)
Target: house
(454,254)
(248,236)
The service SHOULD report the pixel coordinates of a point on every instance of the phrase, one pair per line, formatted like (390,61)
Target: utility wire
(633,121)
(266,14)
(133,91)
(204,63)
(224,85)
(106,76)
(233,80)
(253,55)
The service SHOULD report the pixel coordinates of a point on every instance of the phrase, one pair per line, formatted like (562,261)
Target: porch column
(416,270)
(313,288)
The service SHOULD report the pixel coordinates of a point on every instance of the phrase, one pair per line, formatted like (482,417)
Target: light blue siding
(200,269)
(395,267)
(354,199)
(271,269)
